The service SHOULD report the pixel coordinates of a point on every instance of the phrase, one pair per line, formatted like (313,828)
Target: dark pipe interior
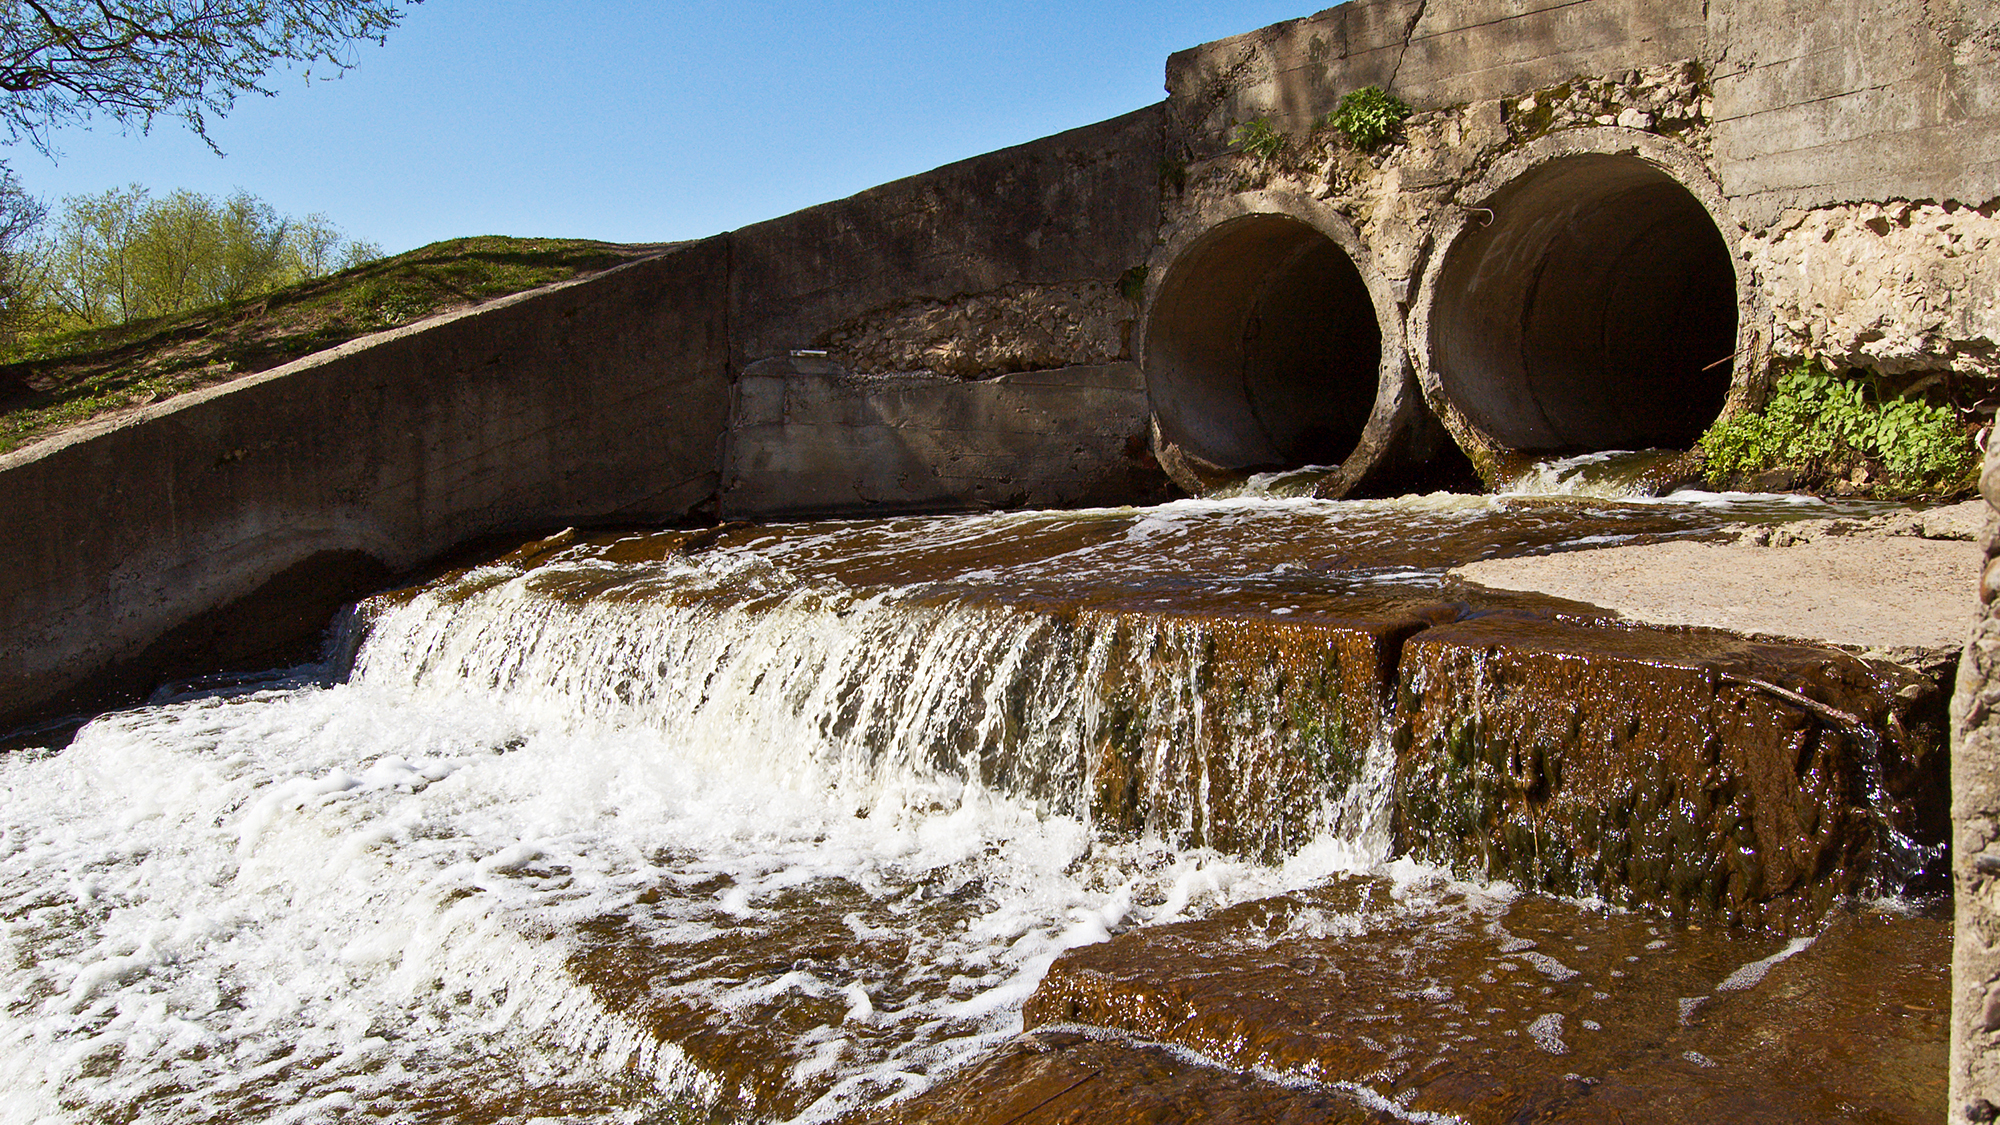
(1597,311)
(1263,349)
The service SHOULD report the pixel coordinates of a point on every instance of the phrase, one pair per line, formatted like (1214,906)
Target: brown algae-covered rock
(1695,772)
(1071,1078)
(1443,999)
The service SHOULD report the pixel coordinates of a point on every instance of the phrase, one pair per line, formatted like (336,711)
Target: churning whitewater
(617,826)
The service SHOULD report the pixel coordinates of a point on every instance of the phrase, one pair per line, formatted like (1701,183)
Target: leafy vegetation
(57,381)
(1259,138)
(1827,424)
(1367,116)
(65,61)
(124,255)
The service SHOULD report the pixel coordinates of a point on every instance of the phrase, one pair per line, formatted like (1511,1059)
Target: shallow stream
(782,822)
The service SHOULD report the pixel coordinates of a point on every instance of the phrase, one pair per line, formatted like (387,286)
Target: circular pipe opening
(1262,348)
(1597,310)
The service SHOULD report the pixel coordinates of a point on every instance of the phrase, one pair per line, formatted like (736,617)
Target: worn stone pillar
(1975,812)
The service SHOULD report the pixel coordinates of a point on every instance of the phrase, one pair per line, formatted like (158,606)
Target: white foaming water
(560,816)
(313,903)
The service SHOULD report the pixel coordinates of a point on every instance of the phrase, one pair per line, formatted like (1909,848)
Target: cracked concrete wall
(1074,208)
(1822,102)
(1027,327)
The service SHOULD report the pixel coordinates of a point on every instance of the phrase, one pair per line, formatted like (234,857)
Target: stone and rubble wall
(1975,813)
(1849,153)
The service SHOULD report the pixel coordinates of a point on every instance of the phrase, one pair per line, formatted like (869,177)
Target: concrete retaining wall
(1081,204)
(1847,154)
(596,400)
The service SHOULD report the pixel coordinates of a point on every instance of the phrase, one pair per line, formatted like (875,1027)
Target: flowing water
(743,824)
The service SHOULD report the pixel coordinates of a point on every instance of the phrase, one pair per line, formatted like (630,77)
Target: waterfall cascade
(783,822)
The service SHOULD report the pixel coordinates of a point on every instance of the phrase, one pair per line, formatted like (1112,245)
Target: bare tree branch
(64,62)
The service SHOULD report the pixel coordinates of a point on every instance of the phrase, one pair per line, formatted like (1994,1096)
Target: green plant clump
(1259,138)
(1823,422)
(1367,116)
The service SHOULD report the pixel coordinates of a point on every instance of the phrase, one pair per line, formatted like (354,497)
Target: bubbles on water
(1546,1031)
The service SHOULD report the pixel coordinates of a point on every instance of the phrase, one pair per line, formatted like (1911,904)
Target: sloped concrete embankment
(223,529)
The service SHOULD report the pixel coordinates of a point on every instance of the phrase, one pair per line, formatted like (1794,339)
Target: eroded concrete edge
(1975,815)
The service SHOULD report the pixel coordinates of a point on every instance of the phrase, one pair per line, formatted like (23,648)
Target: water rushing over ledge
(779,822)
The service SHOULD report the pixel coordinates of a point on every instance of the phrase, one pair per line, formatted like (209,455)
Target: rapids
(749,823)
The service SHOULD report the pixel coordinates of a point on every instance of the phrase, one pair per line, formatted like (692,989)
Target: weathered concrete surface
(595,400)
(806,438)
(1081,205)
(1820,103)
(1431,54)
(603,401)
(1879,592)
(1899,287)
(1023,327)
(1975,814)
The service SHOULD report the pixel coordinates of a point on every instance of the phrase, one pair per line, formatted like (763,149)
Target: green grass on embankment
(54,382)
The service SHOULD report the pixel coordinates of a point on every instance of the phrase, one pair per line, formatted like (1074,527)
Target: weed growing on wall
(1259,138)
(1825,422)
(1367,116)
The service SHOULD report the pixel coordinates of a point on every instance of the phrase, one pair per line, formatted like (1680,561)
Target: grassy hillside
(54,382)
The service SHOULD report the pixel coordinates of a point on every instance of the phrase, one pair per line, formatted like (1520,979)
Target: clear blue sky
(644,122)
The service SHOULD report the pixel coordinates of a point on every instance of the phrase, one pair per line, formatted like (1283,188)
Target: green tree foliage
(21,279)
(124,255)
(63,62)
(1823,422)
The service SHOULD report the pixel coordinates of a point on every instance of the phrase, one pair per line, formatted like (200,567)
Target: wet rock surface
(1067,1077)
(1694,772)
(1490,1009)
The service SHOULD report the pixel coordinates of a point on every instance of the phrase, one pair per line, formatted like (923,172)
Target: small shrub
(1259,138)
(1132,283)
(1367,116)
(1822,421)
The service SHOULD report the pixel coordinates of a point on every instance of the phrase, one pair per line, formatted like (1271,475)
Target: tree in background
(65,61)
(124,255)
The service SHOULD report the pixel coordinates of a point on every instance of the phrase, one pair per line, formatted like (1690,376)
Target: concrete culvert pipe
(1264,348)
(1590,304)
